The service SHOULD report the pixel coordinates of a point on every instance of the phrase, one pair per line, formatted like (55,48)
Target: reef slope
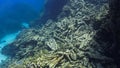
(71,41)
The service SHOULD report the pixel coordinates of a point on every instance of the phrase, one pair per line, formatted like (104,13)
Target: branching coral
(68,42)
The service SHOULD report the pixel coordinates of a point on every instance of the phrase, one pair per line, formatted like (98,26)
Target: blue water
(16,15)
(14,12)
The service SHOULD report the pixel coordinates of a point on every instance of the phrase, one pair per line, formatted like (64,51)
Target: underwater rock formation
(72,41)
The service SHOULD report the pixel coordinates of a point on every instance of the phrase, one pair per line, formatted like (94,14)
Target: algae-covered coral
(69,42)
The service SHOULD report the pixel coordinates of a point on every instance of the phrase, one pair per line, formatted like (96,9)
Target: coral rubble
(69,42)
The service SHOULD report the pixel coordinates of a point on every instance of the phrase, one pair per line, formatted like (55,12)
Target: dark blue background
(14,12)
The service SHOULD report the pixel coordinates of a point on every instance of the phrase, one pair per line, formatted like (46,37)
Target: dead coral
(67,43)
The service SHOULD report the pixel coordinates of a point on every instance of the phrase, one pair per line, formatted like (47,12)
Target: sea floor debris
(69,42)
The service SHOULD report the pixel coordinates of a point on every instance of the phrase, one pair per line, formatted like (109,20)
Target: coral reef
(69,42)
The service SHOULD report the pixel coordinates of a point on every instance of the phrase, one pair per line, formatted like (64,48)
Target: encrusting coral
(68,42)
